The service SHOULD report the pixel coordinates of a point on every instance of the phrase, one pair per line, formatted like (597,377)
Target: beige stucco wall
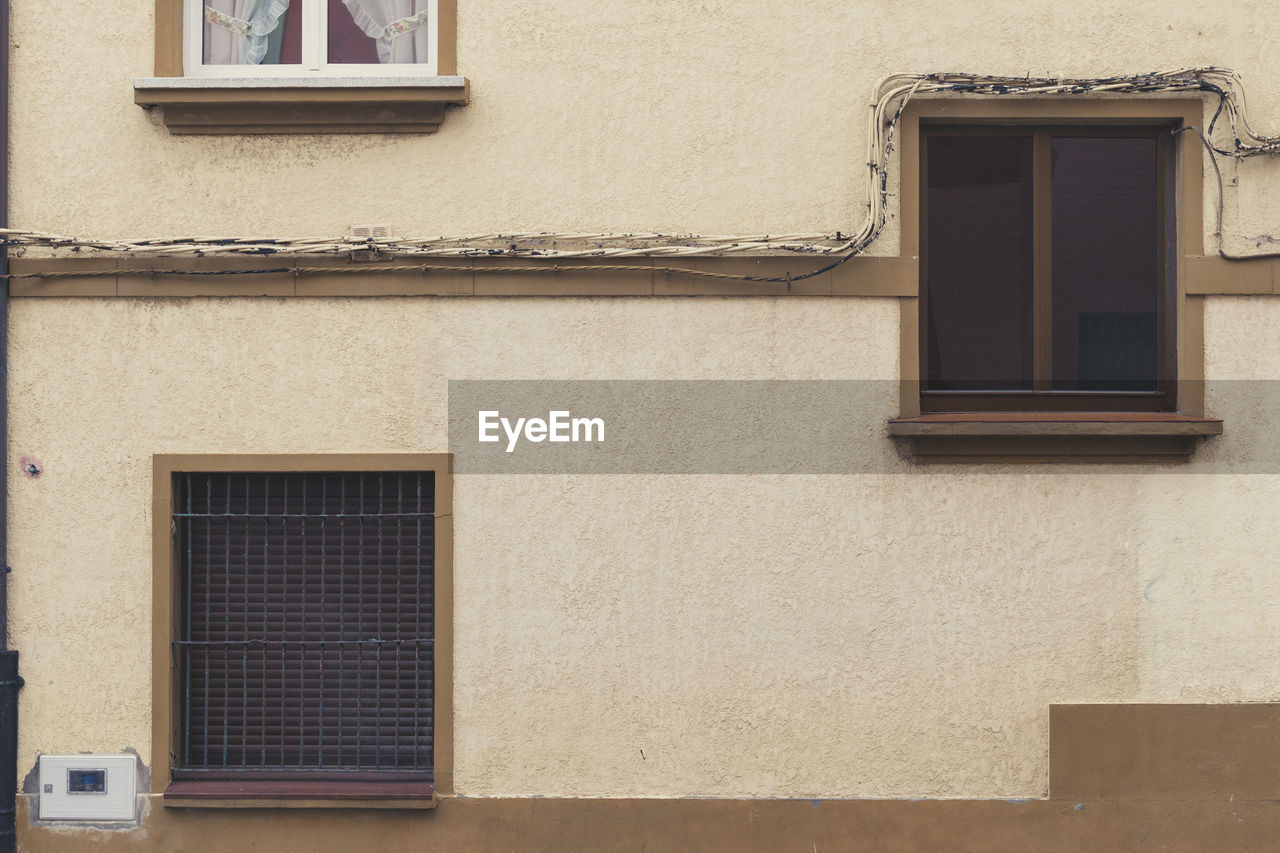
(895,634)
(709,117)
(1209,592)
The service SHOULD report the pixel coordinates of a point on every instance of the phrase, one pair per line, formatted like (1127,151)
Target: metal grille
(306,621)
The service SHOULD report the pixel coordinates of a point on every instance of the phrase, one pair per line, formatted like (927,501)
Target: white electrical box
(88,787)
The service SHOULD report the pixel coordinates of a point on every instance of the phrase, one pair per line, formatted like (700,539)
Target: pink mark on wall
(31,466)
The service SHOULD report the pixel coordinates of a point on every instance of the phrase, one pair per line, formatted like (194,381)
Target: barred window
(305,633)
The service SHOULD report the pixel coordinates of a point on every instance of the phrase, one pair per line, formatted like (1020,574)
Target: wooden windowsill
(250,105)
(277,794)
(1053,436)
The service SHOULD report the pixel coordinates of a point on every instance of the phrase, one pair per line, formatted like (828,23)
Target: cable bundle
(892,94)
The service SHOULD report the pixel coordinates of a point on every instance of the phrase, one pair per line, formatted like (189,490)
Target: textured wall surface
(709,117)
(899,634)
(1210,598)
(896,634)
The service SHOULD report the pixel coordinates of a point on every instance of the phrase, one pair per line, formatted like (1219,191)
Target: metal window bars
(306,633)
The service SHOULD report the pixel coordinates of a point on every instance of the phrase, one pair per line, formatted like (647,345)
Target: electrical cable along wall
(891,96)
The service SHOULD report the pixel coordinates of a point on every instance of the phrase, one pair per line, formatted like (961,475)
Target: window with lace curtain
(284,38)
(304,66)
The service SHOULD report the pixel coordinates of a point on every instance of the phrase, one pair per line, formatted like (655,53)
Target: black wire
(1217,171)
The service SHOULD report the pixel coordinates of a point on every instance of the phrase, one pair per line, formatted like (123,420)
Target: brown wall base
(1122,777)
(704,826)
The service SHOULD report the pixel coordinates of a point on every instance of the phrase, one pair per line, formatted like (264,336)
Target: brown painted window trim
(1106,436)
(191,105)
(289,789)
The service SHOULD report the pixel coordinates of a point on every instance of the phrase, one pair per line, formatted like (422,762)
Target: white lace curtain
(398,26)
(235,31)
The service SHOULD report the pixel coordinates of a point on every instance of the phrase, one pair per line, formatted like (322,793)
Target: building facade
(1020,598)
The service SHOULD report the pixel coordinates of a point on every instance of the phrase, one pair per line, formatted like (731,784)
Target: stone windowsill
(1053,436)
(257,105)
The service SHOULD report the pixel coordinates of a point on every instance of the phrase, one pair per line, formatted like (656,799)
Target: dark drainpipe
(9,680)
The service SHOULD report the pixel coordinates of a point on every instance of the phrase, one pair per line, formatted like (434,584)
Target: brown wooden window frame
(1063,426)
(286,787)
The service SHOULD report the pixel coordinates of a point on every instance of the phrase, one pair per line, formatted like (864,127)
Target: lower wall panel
(742,826)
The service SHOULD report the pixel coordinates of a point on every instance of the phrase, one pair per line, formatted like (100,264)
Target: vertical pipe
(9,679)
(4,327)
(9,684)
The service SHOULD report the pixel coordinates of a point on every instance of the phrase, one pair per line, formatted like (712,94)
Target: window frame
(1044,435)
(1042,397)
(314,44)
(361,789)
(404,101)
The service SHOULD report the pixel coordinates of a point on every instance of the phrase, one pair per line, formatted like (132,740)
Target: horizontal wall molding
(1213,275)
(532,276)
(277,275)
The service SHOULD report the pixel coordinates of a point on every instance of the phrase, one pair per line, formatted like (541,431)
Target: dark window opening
(1044,269)
(306,635)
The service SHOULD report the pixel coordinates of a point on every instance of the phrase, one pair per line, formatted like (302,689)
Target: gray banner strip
(669,427)
(762,427)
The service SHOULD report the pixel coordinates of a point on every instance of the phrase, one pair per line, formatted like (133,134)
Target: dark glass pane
(291,49)
(979,254)
(347,42)
(1105,262)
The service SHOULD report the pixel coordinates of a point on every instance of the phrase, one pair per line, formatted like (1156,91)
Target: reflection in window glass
(979,259)
(1105,256)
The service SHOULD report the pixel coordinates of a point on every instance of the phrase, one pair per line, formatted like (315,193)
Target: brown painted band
(1213,275)
(864,276)
(1175,752)
(533,825)
(519,276)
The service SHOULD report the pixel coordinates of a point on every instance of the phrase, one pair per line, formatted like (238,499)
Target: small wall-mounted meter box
(88,787)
